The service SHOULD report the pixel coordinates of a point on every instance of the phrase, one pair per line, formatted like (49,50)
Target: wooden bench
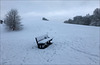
(43,41)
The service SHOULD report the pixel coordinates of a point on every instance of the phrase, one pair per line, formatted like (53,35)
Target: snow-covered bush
(45,19)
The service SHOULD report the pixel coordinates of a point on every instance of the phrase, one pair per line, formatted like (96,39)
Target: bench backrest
(42,37)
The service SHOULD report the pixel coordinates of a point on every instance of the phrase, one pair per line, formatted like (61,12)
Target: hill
(72,44)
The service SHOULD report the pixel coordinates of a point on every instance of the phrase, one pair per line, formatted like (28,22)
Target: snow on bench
(43,41)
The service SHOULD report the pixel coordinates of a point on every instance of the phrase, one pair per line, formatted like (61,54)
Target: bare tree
(12,20)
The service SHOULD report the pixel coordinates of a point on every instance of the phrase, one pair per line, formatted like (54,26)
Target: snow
(72,44)
(45,40)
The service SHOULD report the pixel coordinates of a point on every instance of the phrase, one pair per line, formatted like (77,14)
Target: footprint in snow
(49,60)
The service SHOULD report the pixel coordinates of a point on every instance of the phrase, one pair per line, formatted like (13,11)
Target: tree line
(92,20)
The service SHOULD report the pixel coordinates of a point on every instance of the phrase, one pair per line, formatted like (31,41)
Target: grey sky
(52,9)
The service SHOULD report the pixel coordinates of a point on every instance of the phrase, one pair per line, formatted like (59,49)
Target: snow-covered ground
(72,44)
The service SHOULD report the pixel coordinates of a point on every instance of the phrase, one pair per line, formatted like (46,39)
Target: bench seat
(44,41)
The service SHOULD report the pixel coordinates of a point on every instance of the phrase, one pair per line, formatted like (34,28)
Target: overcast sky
(59,10)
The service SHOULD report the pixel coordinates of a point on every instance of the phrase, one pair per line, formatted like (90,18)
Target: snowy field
(72,44)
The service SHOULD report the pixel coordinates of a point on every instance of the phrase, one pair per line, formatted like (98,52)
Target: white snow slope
(72,44)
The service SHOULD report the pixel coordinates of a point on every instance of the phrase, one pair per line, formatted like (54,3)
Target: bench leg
(41,46)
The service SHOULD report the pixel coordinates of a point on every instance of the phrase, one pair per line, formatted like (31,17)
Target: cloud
(58,9)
